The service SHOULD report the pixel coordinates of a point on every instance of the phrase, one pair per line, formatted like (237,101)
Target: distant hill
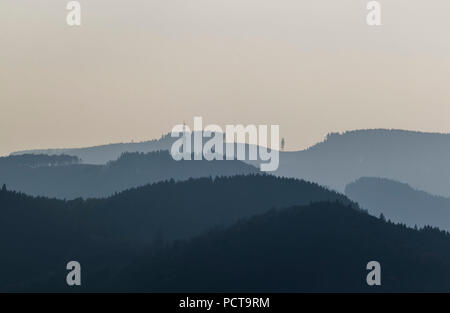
(107,234)
(64,177)
(33,161)
(400,203)
(419,159)
(323,247)
(110,152)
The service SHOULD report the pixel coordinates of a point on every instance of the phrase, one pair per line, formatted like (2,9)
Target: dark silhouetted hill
(400,203)
(64,177)
(39,236)
(323,247)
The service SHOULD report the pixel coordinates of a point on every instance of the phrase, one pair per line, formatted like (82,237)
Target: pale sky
(135,68)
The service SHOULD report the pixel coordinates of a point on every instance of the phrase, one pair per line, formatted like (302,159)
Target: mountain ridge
(417,158)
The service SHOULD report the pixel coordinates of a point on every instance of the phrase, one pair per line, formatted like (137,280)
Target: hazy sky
(135,68)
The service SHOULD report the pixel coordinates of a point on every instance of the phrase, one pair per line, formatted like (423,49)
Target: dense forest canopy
(50,231)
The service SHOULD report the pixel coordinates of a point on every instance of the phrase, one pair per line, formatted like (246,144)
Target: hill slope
(400,203)
(323,247)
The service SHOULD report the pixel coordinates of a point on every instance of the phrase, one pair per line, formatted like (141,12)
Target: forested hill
(243,233)
(64,177)
(323,247)
(104,234)
(416,158)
